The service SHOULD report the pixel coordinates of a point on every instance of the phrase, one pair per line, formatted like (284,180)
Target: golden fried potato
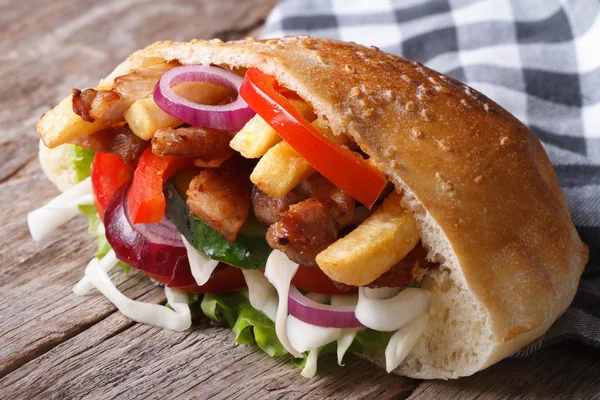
(61,125)
(280,170)
(257,137)
(375,246)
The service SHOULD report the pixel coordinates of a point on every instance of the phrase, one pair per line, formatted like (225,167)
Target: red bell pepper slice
(224,279)
(146,201)
(109,173)
(343,167)
(313,280)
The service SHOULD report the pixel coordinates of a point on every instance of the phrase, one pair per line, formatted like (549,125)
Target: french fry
(145,117)
(257,137)
(61,125)
(371,249)
(280,170)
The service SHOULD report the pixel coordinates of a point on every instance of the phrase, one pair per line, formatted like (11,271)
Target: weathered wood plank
(566,371)
(147,362)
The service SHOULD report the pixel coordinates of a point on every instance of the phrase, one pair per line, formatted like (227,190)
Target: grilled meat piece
(307,228)
(221,198)
(191,141)
(127,145)
(109,106)
(267,209)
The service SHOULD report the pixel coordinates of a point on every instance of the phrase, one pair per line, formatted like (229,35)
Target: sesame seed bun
(487,202)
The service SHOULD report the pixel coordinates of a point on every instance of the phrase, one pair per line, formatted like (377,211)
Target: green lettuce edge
(251,326)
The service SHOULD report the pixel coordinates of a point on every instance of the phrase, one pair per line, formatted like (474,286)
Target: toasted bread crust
(475,170)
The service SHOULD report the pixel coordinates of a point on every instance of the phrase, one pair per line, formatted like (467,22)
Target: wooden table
(54,344)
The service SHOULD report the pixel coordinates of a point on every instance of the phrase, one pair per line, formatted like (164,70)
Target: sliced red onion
(317,314)
(227,117)
(154,248)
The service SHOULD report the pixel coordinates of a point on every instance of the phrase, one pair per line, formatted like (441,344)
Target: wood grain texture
(58,346)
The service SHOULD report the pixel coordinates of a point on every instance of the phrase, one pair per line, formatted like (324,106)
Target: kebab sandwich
(316,196)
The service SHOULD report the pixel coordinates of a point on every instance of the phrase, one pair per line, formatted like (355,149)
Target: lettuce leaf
(248,324)
(252,326)
(81,162)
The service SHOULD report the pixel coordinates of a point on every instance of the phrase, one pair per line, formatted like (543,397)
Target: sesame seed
(463,102)
(250,39)
(214,41)
(349,68)
(360,53)
(442,89)
(410,106)
(388,95)
(443,145)
(448,187)
(363,103)
(426,115)
(405,78)
(388,152)
(417,132)
(320,59)
(469,91)
(439,176)
(303,37)
(369,112)
(374,48)
(486,107)
(433,80)
(194,41)
(272,42)
(444,77)
(478,178)
(422,96)
(355,91)
(504,141)
(375,101)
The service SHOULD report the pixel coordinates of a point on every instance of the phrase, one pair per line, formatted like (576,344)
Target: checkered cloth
(539,59)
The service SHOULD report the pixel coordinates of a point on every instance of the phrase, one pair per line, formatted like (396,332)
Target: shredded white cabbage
(348,334)
(304,336)
(201,266)
(310,368)
(259,288)
(59,210)
(84,286)
(402,342)
(279,271)
(270,307)
(393,313)
(177,319)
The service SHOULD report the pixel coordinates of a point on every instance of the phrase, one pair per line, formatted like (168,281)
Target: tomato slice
(146,201)
(344,168)
(313,280)
(225,278)
(109,173)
